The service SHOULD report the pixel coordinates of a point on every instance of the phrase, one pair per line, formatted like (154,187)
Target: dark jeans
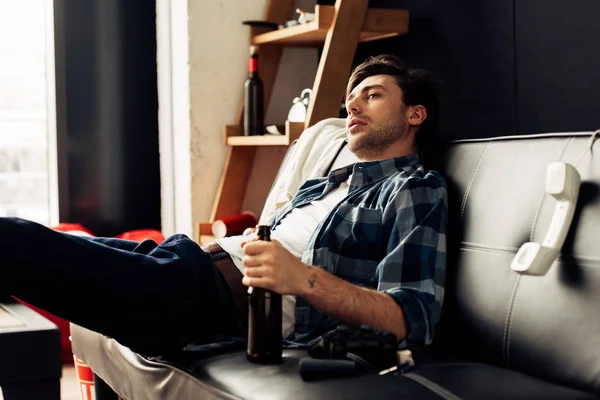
(152,298)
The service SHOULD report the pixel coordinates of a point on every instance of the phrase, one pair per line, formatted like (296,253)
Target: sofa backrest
(547,326)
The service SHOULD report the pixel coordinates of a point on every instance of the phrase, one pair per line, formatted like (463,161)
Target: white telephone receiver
(562,183)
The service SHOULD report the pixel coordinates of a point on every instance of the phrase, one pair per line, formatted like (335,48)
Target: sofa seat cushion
(231,373)
(231,376)
(483,381)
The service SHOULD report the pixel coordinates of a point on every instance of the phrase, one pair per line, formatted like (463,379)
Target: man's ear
(416,115)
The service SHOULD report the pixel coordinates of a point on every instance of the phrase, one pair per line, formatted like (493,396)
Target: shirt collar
(373,171)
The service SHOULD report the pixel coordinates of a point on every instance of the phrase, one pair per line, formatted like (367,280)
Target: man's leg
(148,297)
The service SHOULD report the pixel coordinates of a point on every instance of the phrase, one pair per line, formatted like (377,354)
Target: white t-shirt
(293,232)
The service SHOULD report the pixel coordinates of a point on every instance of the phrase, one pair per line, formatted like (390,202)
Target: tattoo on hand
(312,280)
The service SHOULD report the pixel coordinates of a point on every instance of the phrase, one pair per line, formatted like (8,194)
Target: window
(28,181)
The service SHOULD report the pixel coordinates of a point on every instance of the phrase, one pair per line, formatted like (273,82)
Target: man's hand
(270,266)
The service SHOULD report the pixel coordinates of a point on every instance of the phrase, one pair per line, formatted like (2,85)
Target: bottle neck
(253,66)
(264,232)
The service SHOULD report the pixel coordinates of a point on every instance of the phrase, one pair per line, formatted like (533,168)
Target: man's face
(376,117)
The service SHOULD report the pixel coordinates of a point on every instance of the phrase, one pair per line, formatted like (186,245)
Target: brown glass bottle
(253,98)
(264,320)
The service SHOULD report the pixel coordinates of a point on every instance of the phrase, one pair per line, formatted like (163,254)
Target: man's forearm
(351,304)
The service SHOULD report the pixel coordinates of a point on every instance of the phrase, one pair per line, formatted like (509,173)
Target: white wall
(174,115)
(202,65)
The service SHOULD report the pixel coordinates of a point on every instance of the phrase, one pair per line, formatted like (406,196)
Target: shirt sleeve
(413,272)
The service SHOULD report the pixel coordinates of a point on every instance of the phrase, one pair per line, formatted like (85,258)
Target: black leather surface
(547,326)
(234,375)
(479,381)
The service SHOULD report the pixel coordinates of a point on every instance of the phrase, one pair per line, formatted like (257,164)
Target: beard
(369,144)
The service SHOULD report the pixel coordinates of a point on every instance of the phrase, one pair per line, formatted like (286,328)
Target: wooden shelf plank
(205,228)
(292,132)
(378,24)
(300,35)
(204,233)
(265,140)
(205,239)
(231,191)
(307,35)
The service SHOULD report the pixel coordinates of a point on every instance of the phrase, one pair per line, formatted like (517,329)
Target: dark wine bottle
(253,98)
(264,320)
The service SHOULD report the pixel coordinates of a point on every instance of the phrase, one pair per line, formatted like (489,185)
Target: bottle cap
(264,232)
(253,50)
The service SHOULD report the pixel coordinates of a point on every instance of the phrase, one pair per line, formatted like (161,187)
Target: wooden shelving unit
(378,24)
(338,29)
(293,130)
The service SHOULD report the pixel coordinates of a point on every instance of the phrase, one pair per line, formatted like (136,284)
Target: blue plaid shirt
(388,234)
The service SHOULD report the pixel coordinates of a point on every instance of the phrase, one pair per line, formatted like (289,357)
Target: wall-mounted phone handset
(562,183)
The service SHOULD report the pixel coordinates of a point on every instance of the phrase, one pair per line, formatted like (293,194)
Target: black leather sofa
(503,335)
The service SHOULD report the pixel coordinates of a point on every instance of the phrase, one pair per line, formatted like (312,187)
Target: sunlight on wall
(24,134)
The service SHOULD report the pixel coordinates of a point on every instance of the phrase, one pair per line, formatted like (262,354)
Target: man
(366,245)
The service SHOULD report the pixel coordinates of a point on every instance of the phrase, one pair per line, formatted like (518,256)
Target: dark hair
(418,87)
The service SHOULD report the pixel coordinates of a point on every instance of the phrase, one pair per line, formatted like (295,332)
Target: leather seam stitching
(434,387)
(510,324)
(471,179)
(470,246)
(555,135)
(509,315)
(481,246)
(535,218)
(452,364)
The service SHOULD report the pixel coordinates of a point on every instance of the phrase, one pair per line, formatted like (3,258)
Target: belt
(231,274)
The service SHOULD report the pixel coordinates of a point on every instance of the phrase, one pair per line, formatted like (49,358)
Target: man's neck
(394,151)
